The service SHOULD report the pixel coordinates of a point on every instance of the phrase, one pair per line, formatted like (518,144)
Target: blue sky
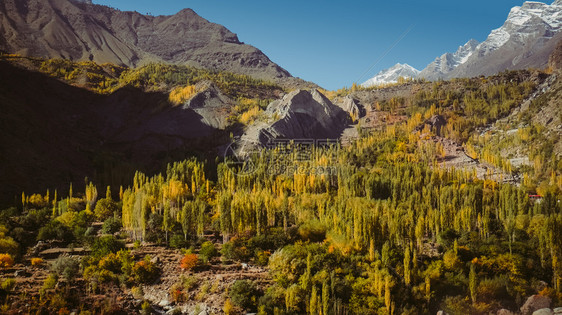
(333,43)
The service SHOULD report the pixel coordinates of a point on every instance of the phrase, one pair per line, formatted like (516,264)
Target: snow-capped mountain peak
(449,61)
(392,74)
(464,52)
(527,29)
(529,20)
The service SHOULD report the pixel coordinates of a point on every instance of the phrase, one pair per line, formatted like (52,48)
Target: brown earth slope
(79,30)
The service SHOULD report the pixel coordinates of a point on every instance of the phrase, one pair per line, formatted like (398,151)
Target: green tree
(473,284)
(105,208)
(243,293)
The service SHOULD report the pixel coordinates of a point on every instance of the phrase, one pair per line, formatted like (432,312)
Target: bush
(6,261)
(262,257)
(49,283)
(66,266)
(106,245)
(176,293)
(189,261)
(313,231)
(447,237)
(236,249)
(188,283)
(208,251)
(105,209)
(244,294)
(7,244)
(145,271)
(55,230)
(36,262)
(451,261)
(111,262)
(111,225)
(8,284)
(146,308)
(273,239)
(228,308)
(137,292)
(178,241)
(228,251)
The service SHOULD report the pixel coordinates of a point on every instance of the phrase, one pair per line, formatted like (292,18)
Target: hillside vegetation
(375,227)
(379,226)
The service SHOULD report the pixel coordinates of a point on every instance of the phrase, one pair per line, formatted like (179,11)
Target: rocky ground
(207,296)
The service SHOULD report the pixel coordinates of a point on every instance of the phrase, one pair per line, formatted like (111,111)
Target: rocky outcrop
(300,114)
(352,107)
(210,104)
(543,311)
(435,122)
(80,30)
(504,311)
(535,303)
(555,60)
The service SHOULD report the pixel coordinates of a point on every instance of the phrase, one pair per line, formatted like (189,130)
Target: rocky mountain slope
(525,40)
(80,30)
(392,74)
(555,59)
(301,114)
(448,61)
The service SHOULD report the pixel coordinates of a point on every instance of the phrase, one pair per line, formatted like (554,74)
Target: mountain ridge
(392,75)
(525,40)
(525,33)
(449,61)
(80,31)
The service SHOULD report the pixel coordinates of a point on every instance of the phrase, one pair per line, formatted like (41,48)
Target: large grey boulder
(352,107)
(301,114)
(543,311)
(534,303)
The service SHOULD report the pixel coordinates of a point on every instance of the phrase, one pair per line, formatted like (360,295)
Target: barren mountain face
(79,30)
(555,60)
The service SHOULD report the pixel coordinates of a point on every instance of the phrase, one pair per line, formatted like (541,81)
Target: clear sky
(333,43)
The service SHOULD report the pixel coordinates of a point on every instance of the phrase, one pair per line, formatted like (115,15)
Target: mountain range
(393,74)
(82,31)
(525,40)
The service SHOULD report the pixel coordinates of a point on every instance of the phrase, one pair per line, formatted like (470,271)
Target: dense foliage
(376,227)
(387,231)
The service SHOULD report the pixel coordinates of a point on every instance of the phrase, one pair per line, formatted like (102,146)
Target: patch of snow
(391,75)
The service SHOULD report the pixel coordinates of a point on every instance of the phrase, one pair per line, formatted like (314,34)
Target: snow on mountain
(391,75)
(532,19)
(521,42)
(449,61)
